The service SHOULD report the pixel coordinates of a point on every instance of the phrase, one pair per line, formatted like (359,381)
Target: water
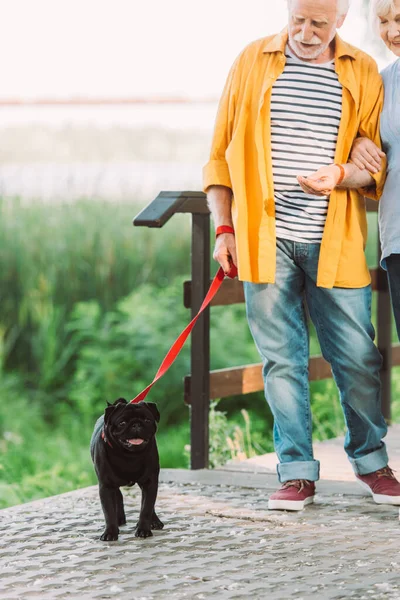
(37,151)
(198,115)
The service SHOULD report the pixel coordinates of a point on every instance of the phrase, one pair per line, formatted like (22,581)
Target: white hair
(343,6)
(379,8)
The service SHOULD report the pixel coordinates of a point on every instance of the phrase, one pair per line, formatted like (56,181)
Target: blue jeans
(342,318)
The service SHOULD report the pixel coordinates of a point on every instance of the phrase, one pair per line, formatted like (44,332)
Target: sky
(133,48)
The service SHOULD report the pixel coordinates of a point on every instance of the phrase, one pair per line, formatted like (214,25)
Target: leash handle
(180,341)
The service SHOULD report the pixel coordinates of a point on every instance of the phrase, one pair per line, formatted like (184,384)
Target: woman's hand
(322,182)
(366,155)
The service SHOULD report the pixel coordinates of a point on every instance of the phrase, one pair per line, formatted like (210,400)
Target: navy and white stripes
(306,107)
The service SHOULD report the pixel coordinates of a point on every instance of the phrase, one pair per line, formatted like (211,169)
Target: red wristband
(224,229)
(342,174)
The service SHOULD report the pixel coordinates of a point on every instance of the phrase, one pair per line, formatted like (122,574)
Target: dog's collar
(103,437)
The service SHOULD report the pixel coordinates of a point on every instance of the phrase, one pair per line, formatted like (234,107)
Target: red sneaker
(293,495)
(383,486)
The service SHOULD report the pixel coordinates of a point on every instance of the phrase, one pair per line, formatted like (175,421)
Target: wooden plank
(234,381)
(247,379)
(374,279)
(395,355)
(158,212)
(162,208)
(319,369)
(230,382)
(371,205)
(195,204)
(231,291)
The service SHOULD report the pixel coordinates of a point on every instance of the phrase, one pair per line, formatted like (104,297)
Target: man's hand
(225,251)
(322,182)
(366,155)
(219,200)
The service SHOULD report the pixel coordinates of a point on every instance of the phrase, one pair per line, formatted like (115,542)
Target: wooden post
(200,343)
(384,339)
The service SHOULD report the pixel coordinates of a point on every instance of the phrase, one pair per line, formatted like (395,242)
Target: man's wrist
(342,173)
(224,229)
(355,178)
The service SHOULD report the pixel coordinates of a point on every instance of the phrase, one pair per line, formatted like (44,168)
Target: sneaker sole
(289,504)
(380,498)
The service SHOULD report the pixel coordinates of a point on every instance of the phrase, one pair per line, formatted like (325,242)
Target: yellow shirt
(241,160)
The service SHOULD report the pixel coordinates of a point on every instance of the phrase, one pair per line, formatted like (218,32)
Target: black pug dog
(124,452)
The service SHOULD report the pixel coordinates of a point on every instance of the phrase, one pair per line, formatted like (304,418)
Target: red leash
(179,343)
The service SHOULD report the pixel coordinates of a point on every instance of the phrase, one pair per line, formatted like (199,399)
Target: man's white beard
(313,51)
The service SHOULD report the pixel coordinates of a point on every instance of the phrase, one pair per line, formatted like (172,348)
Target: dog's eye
(122,424)
(147,420)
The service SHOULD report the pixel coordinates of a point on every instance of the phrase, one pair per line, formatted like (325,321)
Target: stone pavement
(219,542)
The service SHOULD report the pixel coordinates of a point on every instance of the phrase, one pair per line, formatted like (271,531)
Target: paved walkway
(219,542)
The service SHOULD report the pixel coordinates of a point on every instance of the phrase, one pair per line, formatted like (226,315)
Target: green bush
(120,351)
(52,257)
(36,459)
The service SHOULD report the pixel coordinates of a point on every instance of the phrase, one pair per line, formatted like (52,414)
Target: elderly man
(292,106)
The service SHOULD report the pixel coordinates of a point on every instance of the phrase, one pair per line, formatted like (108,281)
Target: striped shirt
(306,108)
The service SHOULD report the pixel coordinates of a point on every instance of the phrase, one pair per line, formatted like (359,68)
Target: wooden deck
(335,465)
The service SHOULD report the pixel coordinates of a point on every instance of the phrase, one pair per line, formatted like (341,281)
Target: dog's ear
(120,401)
(153,408)
(111,407)
(108,412)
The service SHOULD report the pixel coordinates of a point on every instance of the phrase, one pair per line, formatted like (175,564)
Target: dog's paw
(157,524)
(142,532)
(110,534)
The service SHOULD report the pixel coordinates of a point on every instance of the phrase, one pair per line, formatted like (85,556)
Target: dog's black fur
(119,462)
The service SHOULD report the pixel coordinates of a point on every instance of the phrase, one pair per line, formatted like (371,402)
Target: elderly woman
(365,155)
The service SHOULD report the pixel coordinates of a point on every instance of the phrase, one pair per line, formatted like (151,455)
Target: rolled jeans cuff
(298,470)
(371,462)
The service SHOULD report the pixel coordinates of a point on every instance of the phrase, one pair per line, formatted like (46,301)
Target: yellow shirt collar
(279,41)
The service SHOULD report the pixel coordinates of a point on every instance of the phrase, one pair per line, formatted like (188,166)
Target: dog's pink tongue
(136,442)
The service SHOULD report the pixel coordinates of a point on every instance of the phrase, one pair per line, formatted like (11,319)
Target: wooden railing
(203,385)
